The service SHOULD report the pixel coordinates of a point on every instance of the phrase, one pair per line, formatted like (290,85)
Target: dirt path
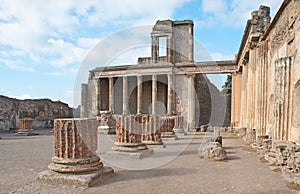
(22,158)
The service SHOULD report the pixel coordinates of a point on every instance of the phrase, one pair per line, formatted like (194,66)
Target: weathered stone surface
(212,150)
(75,162)
(43,111)
(107,123)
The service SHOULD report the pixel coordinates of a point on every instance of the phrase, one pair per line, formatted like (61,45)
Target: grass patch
(262,159)
(276,170)
(293,185)
(249,149)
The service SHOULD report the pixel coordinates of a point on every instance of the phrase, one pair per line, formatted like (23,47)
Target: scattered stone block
(212,150)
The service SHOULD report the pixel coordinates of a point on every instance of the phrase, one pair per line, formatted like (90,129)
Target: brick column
(129,138)
(75,146)
(167,124)
(151,130)
(25,127)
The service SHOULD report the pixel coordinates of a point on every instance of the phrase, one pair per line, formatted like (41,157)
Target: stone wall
(269,63)
(43,111)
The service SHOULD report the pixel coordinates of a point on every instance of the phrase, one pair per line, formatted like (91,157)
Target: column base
(75,180)
(129,155)
(168,136)
(26,133)
(154,144)
(130,151)
(107,130)
(179,132)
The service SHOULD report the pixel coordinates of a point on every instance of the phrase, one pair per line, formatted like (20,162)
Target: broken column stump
(128,142)
(151,135)
(107,125)
(75,162)
(167,125)
(178,126)
(25,127)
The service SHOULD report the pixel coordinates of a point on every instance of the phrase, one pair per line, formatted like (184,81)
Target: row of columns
(125,108)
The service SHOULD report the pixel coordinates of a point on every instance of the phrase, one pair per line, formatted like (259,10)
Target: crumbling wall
(43,111)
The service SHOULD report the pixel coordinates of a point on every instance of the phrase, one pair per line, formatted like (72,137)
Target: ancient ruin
(265,92)
(42,111)
(172,86)
(26,127)
(75,162)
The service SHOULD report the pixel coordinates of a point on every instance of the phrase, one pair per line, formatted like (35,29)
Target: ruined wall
(43,111)
(271,73)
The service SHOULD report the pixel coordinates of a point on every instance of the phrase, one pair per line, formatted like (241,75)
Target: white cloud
(14,65)
(235,13)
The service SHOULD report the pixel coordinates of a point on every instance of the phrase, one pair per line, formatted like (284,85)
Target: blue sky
(43,43)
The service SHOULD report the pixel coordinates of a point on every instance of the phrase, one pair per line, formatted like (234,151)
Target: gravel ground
(22,158)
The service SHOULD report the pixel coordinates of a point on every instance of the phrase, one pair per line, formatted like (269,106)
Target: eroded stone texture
(167,126)
(25,127)
(212,150)
(107,123)
(75,161)
(42,111)
(266,85)
(129,133)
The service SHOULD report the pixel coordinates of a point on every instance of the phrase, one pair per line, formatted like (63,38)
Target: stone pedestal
(178,126)
(129,139)
(107,124)
(203,128)
(25,127)
(75,162)
(151,135)
(166,127)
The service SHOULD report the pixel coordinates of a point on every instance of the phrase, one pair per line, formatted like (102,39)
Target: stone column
(191,104)
(139,94)
(154,54)
(170,95)
(75,147)
(151,135)
(129,138)
(191,44)
(84,97)
(154,93)
(111,94)
(169,49)
(167,124)
(25,127)
(125,95)
(98,95)
(178,126)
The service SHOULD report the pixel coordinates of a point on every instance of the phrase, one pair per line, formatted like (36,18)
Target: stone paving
(22,158)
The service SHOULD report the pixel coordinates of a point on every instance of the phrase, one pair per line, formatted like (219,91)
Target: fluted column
(125,95)
(170,95)
(154,93)
(111,94)
(139,94)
